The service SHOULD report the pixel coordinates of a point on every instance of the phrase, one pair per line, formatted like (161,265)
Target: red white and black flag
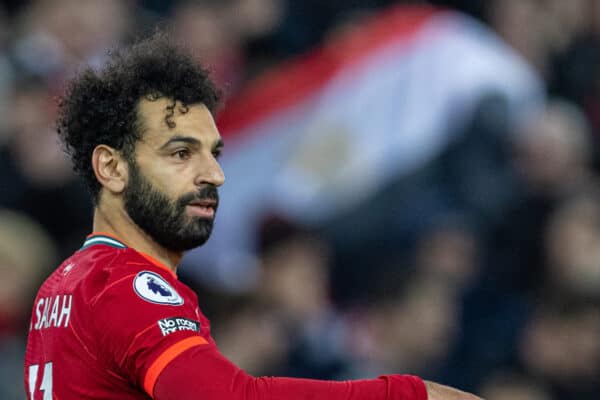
(320,133)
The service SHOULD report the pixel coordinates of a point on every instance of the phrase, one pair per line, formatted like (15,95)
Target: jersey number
(46,385)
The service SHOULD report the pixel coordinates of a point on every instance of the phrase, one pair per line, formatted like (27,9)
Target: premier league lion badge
(153,288)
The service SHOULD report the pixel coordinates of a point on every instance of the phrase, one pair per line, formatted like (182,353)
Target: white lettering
(66,310)
(167,323)
(38,313)
(171,325)
(44,321)
(46,385)
(33,373)
(54,313)
(50,312)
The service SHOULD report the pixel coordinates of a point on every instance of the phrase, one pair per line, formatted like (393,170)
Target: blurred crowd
(497,288)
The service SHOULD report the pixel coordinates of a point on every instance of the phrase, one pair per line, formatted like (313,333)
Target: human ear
(110,168)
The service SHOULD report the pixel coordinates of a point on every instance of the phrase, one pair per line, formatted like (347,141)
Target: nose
(210,171)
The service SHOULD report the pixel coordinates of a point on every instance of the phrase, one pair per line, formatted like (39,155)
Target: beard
(163,219)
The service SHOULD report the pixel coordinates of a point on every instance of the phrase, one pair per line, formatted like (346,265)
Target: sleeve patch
(153,288)
(176,324)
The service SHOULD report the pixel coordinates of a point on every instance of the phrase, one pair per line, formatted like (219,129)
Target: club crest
(153,288)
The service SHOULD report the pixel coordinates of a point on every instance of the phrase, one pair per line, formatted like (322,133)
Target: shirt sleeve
(143,323)
(203,373)
(155,338)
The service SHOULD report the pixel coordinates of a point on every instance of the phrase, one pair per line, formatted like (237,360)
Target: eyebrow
(189,140)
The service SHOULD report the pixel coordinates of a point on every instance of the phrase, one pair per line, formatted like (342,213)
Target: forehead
(194,120)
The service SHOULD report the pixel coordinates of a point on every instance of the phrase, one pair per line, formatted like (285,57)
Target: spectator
(560,346)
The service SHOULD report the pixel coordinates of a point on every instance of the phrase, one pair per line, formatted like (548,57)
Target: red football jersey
(106,323)
(113,323)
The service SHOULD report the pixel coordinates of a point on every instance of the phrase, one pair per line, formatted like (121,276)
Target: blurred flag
(322,132)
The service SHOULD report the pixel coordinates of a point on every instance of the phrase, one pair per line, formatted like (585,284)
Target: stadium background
(478,265)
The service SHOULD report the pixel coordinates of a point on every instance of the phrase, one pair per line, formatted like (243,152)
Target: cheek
(172,179)
(164,179)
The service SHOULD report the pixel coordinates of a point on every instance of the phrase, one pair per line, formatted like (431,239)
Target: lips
(204,208)
(204,203)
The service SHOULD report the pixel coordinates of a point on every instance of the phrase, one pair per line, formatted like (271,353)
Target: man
(113,321)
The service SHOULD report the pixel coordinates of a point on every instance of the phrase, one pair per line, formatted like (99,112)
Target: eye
(182,154)
(216,153)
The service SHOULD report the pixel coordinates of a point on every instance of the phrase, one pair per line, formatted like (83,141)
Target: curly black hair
(100,107)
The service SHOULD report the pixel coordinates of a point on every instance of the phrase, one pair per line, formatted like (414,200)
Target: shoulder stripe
(166,357)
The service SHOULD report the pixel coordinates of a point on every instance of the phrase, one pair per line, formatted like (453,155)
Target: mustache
(208,192)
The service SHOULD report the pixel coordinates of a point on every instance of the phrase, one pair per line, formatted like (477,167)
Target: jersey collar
(103,238)
(110,240)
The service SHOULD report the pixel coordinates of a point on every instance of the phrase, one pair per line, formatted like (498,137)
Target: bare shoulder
(435,391)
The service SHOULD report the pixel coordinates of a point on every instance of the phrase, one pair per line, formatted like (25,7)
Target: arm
(186,364)
(203,373)
(436,391)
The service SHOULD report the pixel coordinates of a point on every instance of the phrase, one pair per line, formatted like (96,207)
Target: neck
(119,224)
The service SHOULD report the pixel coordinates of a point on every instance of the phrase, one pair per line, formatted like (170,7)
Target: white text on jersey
(53,311)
